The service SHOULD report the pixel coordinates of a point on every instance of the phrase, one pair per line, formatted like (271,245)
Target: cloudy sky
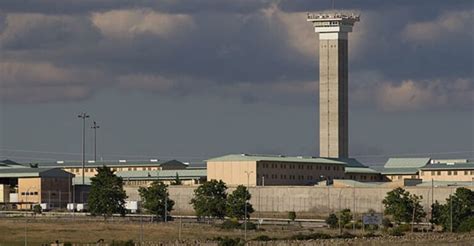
(196,79)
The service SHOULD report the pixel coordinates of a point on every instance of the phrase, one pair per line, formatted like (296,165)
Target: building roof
(276,158)
(396,171)
(115,163)
(445,166)
(26,172)
(164,174)
(184,174)
(360,170)
(10,164)
(406,162)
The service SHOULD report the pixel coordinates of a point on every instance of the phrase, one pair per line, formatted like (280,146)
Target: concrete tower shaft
(333,32)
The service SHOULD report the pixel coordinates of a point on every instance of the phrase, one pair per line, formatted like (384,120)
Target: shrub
(332,221)
(250,226)
(405,227)
(345,216)
(310,236)
(227,241)
(467,225)
(230,224)
(122,243)
(387,223)
(346,235)
(37,209)
(396,232)
(263,238)
(292,215)
(371,227)
(370,235)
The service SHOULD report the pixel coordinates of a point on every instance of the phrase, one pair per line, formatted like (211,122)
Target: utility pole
(95,127)
(83,116)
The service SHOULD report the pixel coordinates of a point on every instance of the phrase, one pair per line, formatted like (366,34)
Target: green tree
(106,195)
(345,216)
(210,199)
(403,206)
(458,208)
(332,221)
(177,180)
(155,199)
(37,209)
(237,201)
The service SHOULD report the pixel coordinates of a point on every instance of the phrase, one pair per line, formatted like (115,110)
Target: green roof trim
(406,162)
(395,171)
(360,170)
(119,163)
(33,172)
(276,158)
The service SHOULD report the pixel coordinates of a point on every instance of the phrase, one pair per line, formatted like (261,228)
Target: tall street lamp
(83,116)
(246,217)
(95,127)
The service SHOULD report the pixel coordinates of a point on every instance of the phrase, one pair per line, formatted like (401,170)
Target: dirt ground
(41,231)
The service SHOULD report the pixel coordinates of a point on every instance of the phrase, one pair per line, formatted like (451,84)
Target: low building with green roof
(237,169)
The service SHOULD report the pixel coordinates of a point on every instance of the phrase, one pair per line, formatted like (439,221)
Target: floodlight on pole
(83,116)
(95,126)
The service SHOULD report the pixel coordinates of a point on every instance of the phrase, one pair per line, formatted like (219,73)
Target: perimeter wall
(313,200)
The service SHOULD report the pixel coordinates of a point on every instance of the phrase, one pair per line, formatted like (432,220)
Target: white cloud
(129,23)
(301,35)
(447,25)
(24,31)
(412,95)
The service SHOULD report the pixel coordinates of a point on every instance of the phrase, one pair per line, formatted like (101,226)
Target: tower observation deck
(333,32)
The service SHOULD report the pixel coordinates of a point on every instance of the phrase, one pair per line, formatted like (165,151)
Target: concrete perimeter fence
(305,199)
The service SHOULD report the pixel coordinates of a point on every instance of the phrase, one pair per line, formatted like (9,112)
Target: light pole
(353,204)
(245,219)
(83,116)
(95,127)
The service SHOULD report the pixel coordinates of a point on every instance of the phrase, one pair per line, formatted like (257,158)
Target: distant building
(285,170)
(75,167)
(463,171)
(402,168)
(427,169)
(36,185)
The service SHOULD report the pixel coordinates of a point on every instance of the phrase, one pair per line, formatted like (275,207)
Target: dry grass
(39,231)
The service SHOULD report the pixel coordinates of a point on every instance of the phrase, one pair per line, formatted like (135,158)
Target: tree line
(211,201)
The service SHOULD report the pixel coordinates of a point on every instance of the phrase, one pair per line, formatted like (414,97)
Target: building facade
(448,172)
(261,170)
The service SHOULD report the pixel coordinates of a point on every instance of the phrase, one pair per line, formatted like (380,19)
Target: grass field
(40,231)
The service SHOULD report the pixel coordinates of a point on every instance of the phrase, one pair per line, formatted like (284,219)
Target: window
(465,173)
(433,173)
(439,173)
(449,172)
(455,172)
(129,169)
(23,193)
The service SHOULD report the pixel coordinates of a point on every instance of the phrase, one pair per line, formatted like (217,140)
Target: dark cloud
(169,6)
(252,50)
